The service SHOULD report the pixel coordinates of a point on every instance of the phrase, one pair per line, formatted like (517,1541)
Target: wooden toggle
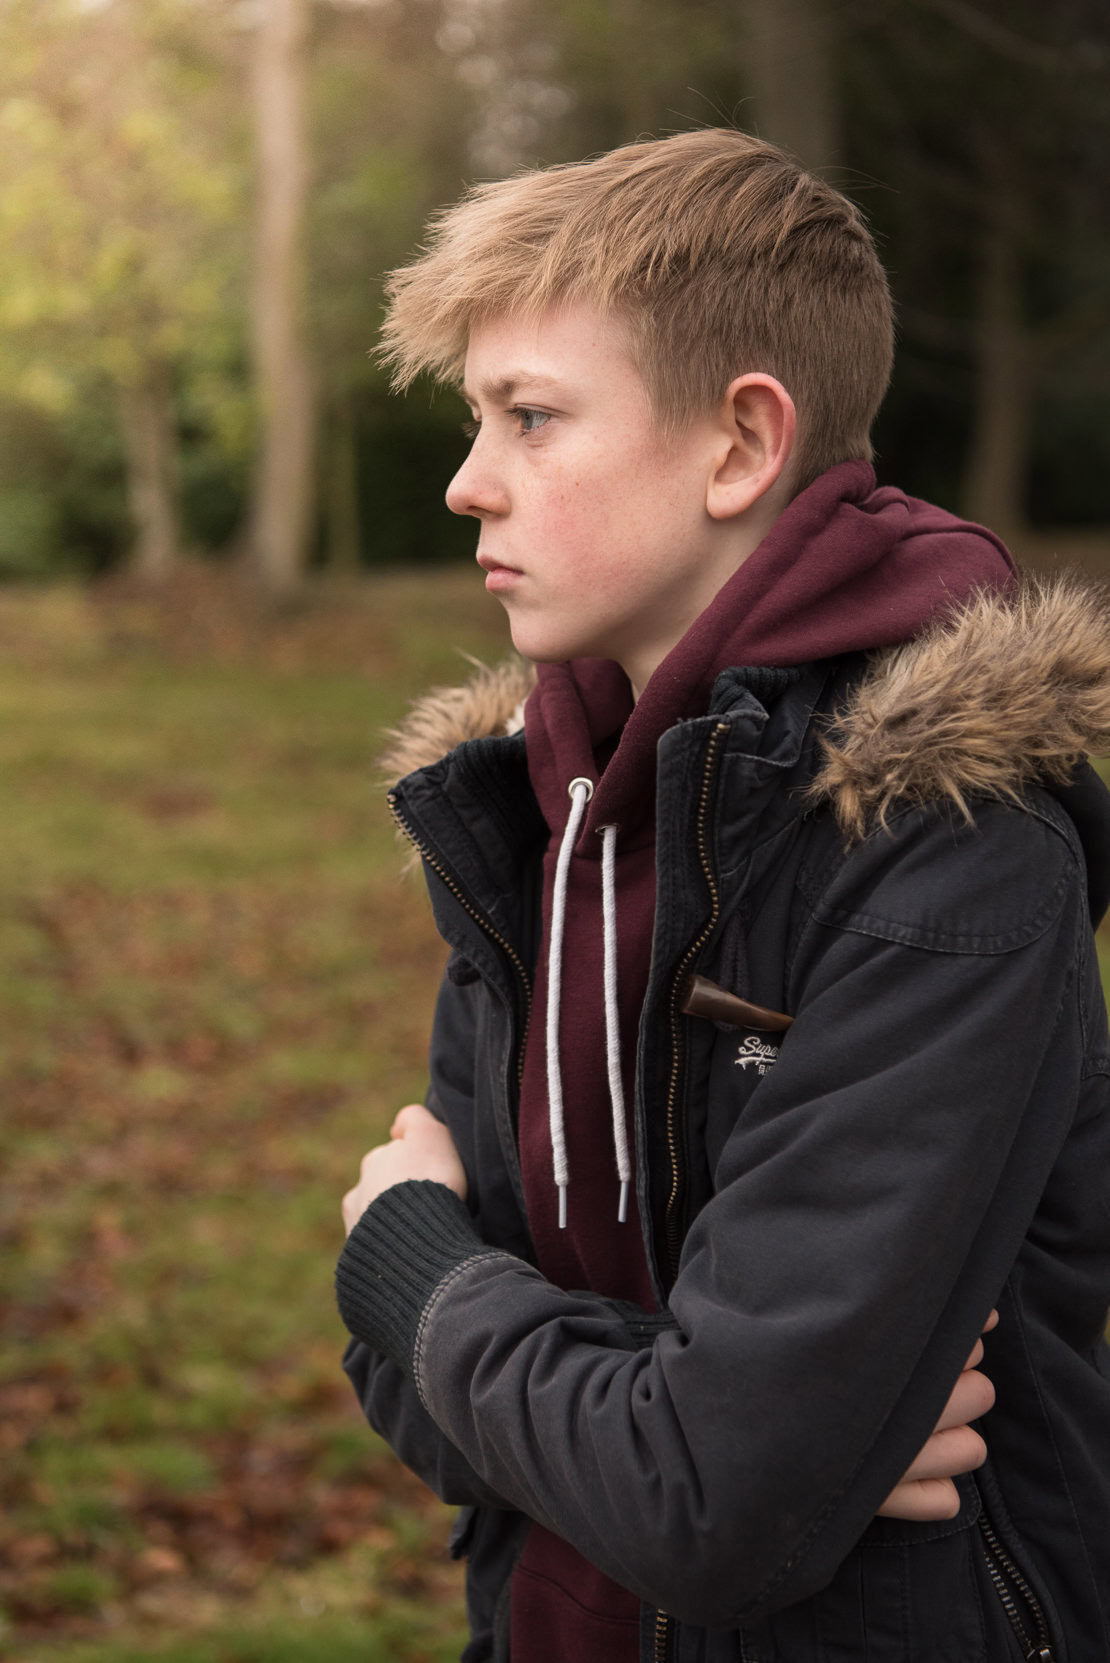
(701,997)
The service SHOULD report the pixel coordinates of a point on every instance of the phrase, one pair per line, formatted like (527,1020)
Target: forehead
(562,350)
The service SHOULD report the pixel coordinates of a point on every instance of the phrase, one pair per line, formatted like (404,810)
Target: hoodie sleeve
(870,1203)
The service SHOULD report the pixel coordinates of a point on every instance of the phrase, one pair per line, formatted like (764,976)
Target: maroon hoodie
(846,567)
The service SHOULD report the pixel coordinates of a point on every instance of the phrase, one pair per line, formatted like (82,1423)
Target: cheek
(615,503)
(576,523)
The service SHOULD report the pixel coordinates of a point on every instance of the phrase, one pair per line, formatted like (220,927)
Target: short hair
(720,254)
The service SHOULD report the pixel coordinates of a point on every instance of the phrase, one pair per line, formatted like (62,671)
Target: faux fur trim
(491,702)
(1007,690)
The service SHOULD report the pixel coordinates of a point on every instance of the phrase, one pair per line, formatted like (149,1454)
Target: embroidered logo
(757,1054)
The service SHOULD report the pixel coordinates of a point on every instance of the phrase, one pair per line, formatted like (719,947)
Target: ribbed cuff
(396,1256)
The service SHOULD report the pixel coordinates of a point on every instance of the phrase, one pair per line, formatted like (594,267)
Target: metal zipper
(671,1218)
(1000,1565)
(479,918)
(661,1646)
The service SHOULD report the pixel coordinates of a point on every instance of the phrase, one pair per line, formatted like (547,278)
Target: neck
(734,541)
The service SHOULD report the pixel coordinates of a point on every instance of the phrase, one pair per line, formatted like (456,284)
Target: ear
(756,425)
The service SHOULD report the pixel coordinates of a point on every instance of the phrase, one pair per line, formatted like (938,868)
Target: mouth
(498,575)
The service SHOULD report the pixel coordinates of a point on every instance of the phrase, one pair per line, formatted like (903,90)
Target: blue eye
(530,420)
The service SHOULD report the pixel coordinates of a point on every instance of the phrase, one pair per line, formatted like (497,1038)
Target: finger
(976,1356)
(958,1449)
(991,1322)
(927,1499)
(406,1119)
(972,1396)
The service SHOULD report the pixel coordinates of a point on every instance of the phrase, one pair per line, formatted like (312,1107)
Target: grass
(216,991)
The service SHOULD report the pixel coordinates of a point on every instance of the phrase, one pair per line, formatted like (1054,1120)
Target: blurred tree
(387,112)
(283,499)
(790,60)
(152,356)
(996,134)
(122,188)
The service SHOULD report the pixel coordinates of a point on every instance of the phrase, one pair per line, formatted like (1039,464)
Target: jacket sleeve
(869,1205)
(393,1408)
(387,1391)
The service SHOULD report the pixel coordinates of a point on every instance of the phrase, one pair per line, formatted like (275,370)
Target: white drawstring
(612,1014)
(580,791)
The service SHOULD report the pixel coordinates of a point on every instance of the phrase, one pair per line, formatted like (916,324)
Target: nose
(475,489)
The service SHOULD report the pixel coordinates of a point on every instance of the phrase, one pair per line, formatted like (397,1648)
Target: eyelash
(520,411)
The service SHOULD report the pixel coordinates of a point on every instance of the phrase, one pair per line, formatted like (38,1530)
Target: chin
(541,649)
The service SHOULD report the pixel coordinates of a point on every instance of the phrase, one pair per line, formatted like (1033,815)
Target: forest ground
(215,989)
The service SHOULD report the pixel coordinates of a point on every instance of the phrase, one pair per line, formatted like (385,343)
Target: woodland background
(225,564)
(198,199)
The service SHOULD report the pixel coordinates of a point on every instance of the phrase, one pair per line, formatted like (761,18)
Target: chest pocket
(746,1049)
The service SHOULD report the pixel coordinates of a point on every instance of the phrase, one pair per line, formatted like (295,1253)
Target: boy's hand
(926,1491)
(419,1146)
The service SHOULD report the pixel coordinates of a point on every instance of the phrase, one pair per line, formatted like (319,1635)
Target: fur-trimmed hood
(1007,690)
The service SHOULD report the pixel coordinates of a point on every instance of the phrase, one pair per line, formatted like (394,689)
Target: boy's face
(594,529)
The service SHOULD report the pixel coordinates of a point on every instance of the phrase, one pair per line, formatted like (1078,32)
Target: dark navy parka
(830,1213)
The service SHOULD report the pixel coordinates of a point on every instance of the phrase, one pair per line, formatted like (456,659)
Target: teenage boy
(771,1052)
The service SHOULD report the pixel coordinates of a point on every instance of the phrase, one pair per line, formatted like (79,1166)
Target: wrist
(410,1237)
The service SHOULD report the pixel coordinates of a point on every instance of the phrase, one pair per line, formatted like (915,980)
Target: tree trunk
(791,63)
(283,503)
(150,450)
(998,451)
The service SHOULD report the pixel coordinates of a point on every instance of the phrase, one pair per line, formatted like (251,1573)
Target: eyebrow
(505,387)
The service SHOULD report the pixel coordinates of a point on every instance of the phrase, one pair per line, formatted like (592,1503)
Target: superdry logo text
(757,1054)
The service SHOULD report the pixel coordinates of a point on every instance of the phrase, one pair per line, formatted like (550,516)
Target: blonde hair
(716,250)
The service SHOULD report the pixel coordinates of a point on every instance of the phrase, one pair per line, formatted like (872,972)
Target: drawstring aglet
(622,1210)
(562,1206)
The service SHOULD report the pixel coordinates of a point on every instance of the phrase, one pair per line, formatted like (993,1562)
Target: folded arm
(870,1203)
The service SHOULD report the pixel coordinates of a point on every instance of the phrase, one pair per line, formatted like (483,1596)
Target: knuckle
(966,1449)
(984,1393)
(948,1503)
(979,1452)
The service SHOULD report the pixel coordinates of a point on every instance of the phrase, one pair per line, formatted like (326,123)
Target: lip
(498,575)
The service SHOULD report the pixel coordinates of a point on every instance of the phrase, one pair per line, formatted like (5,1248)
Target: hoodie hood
(844,568)
(1008,690)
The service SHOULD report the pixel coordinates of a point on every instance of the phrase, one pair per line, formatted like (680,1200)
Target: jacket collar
(1007,690)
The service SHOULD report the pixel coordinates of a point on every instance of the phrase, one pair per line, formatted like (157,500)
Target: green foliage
(80,1587)
(121,215)
(127,196)
(28,532)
